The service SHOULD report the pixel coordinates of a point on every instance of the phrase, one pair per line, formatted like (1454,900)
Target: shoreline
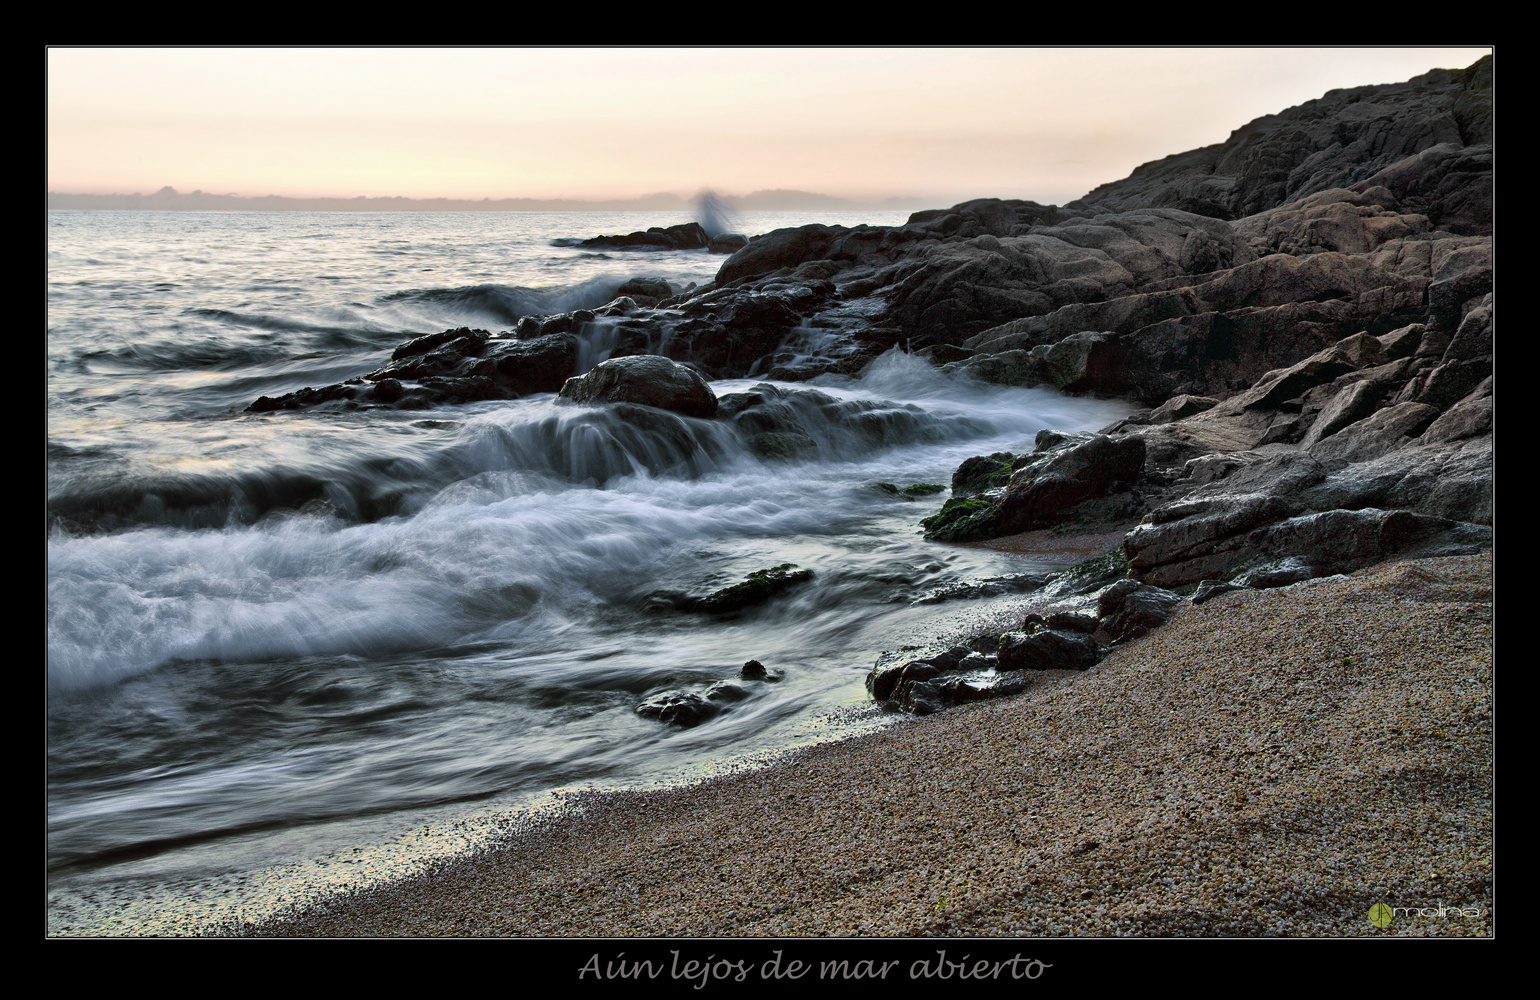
(1272,762)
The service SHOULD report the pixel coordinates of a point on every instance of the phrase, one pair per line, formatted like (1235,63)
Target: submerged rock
(756,589)
(753,670)
(685,709)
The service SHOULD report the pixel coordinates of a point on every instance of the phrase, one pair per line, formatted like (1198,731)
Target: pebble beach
(1270,763)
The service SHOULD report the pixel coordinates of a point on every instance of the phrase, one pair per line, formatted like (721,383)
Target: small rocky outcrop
(997,665)
(689,707)
(456,366)
(757,588)
(1045,488)
(646,380)
(689,236)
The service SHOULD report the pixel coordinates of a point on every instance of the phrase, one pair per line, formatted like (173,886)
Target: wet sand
(1269,763)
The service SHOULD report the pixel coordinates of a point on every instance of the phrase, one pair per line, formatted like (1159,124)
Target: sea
(293,653)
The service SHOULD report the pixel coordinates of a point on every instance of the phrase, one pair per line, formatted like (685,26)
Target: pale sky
(1047,124)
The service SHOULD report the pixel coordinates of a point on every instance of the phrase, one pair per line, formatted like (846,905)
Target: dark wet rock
(646,380)
(888,489)
(1071,622)
(1018,368)
(943,354)
(781,248)
(1278,573)
(920,695)
(962,519)
(1045,489)
(689,236)
(1128,612)
(1210,589)
(1346,407)
(783,445)
(919,698)
(685,709)
(1451,182)
(977,685)
(993,586)
(753,670)
(987,645)
(1090,575)
(976,661)
(881,682)
(1402,342)
(728,243)
(951,677)
(1225,537)
(1461,276)
(731,335)
(757,588)
(645,291)
(1038,495)
(1048,649)
(1203,536)
(463,342)
(1315,350)
(726,691)
(1453,381)
(1334,220)
(910,492)
(983,473)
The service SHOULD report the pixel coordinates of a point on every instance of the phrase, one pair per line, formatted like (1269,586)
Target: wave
(506,304)
(262,321)
(207,354)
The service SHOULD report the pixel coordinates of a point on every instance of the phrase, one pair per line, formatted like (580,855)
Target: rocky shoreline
(1305,313)
(1272,763)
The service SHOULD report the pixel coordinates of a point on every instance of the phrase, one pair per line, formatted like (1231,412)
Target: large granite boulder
(647,380)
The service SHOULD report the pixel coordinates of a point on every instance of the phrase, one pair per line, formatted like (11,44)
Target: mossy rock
(888,489)
(907,492)
(961,519)
(983,473)
(1091,573)
(756,589)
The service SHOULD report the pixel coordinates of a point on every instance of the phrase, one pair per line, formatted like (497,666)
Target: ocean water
(250,704)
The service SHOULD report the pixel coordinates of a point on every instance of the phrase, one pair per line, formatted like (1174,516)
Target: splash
(713,213)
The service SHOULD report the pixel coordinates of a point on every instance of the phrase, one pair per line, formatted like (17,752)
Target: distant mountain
(169,198)
(172,199)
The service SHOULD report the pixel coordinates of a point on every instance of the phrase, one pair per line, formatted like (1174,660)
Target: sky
(1047,124)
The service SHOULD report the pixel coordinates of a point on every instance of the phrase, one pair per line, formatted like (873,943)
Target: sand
(1269,763)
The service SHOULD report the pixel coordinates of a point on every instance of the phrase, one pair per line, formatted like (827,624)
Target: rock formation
(1306,310)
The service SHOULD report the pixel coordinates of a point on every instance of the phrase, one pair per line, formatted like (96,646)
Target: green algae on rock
(756,589)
